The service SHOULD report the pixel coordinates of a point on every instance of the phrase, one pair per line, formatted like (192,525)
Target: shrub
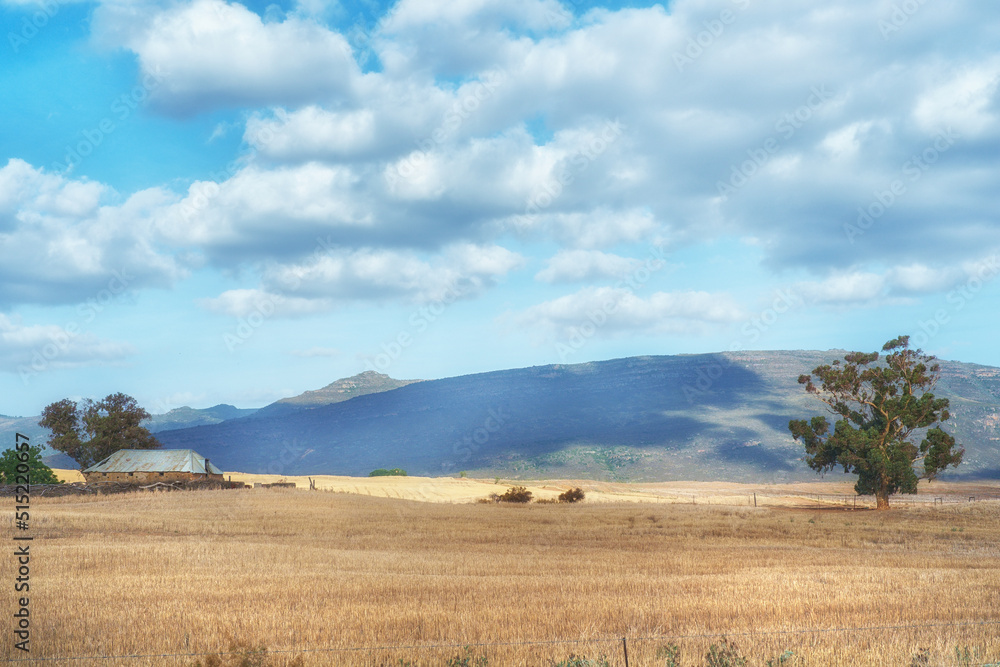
(382,472)
(38,472)
(242,654)
(963,656)
(580,661)
(920,658)
(467,660)
(516,494)
(726,655)
(571,496)
(786,658)
(671,654)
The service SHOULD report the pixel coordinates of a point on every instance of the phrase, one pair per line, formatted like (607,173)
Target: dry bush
(243,654)
(571,496)
(516,494)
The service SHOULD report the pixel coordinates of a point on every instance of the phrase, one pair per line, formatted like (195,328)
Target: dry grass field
(198,572)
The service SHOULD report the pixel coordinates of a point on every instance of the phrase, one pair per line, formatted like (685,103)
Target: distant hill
(178,418)
(368,382)
(10,426)
(185,417)
(362,384)
(690,417)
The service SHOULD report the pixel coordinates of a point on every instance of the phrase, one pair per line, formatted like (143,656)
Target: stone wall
(146,477)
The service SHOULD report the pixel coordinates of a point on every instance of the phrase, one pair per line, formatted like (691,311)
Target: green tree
(93,431)
(38,472)
(64,420)
(382,472)
(880,408)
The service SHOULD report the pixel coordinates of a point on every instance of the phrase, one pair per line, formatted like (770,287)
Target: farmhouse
(145,466)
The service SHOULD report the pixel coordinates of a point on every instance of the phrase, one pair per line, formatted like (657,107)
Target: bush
(921,658)
(467,660)
(726,655)
(580,661)
(670,654)
(571,496)
(38,472)
(786,658)
(242,654)
(382,472)
(516,494)
(964,657)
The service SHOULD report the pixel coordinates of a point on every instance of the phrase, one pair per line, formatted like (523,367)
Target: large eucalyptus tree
(880,407)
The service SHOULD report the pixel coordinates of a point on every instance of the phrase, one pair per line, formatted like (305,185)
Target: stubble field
(328,578)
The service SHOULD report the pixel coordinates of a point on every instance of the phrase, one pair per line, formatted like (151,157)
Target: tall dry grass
(194,572)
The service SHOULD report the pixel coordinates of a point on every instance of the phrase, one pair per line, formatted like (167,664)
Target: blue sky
(205,202)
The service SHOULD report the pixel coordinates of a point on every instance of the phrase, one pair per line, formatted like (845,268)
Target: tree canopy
(382,472)
(880,407)
(38,472)
(92,431)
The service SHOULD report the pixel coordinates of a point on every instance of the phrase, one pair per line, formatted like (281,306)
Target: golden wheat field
(323,578)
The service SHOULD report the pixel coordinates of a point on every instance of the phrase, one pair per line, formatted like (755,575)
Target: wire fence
(816,500)
(898,499)
(618,644)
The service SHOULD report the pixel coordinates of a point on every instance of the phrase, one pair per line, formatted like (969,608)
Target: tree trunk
(881,501)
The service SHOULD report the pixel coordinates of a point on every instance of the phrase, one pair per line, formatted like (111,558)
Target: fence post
(755,499)
(625,647)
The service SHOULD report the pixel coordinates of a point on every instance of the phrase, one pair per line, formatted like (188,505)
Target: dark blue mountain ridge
(688,417)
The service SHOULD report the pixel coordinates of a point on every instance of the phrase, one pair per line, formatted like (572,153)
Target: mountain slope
(362,384)
(720,416)
(368,382)
(185,417)
(11,426)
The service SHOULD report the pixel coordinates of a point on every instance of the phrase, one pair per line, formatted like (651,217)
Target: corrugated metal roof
(155,460)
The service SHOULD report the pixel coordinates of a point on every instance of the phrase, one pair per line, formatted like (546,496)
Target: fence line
(597,640)
(756,498)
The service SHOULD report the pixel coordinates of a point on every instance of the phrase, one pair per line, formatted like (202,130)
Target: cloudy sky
(205,201)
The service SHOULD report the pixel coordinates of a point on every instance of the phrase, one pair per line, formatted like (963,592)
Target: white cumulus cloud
(580,265)
(206,54)
(613,310)
(29,350)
